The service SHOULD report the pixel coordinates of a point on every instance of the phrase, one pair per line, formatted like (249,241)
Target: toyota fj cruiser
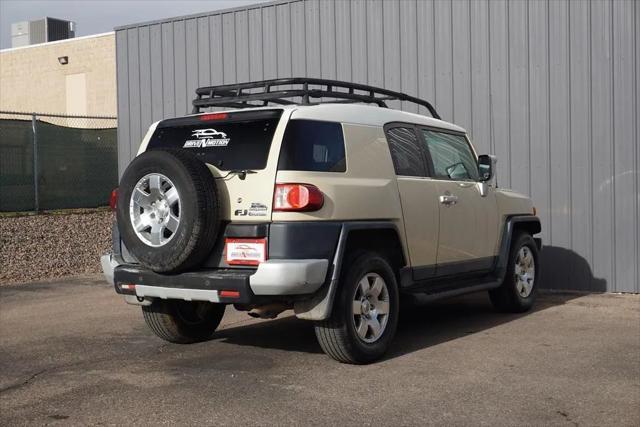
(332,208)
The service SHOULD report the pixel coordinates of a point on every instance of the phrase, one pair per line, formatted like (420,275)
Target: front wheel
(183,322)
(364,318)
(518,291)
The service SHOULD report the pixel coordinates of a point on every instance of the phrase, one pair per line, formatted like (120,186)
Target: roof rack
(261,93)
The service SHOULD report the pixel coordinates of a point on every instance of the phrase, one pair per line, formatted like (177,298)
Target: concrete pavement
(72,352)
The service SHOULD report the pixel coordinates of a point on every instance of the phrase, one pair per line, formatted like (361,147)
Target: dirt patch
(53,245)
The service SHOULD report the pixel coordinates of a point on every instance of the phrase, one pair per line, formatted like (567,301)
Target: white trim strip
(177,293)
(10,49)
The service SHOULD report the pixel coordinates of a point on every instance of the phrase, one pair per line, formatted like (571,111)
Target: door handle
(448,199)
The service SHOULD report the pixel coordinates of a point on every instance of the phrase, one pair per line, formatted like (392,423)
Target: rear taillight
(297,197)
(213,116)
(113,199)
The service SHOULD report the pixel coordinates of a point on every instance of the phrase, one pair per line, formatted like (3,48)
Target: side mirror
(487,167)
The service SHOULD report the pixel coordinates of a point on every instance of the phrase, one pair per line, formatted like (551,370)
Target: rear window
(238,141)
(310,145)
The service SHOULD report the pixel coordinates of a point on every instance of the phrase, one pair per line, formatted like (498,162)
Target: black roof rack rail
(261,93)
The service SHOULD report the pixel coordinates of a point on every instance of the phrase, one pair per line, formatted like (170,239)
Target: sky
(101,16)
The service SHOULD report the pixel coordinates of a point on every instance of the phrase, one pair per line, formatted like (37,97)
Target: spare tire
(167,210)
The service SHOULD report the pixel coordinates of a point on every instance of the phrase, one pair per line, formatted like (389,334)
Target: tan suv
(335,209)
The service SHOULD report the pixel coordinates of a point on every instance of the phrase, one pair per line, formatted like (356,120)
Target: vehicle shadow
(421,325)
(563,269)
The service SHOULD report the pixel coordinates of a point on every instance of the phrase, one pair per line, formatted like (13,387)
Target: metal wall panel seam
(160,69)
(124,143)
(304,24)
(637,89)
(197,57)
(549,198)
(420,109)
(400,52)
(508,88)
(277,44)
(453,89)
(528,68)
(637,150)
(160,78)
(222,49)
(262,38)
(145,113)
(249,45)
(613,152)
(291,39)
(133,65)
(319,39)
(492,145)
(435,57)
(382,44)
(350,44)
(591,176)
(570,175)
(470,76)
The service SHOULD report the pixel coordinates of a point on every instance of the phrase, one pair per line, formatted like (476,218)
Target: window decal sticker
(207,138)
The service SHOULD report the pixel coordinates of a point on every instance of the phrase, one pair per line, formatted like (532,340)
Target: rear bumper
(289,277)
(273,278)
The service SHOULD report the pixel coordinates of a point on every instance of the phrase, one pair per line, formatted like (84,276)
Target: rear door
(241,149)
(468,219)
(418,196)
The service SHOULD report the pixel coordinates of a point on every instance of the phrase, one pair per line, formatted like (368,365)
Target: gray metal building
(550,87)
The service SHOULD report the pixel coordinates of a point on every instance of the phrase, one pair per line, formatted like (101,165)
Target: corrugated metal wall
(551,87)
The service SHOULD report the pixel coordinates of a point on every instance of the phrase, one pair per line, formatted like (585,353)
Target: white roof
(359,114)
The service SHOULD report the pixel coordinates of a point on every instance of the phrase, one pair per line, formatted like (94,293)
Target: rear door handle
(448,199)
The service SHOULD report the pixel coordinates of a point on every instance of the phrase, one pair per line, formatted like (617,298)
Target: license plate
(245,251)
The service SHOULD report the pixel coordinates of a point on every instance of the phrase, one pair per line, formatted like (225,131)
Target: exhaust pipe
(268,311)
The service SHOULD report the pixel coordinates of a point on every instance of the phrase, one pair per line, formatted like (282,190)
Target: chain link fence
(56,162)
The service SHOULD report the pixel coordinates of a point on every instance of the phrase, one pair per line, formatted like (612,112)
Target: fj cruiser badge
(256,209)
(207,138)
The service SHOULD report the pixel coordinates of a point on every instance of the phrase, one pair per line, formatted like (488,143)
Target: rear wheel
(365,312)
(183,322)
(518,291)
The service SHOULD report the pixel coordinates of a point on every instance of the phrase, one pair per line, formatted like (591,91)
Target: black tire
(199,218)
(337,335)
(183,322)
(507,297)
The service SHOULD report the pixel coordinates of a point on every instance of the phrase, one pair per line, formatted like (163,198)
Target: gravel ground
(52,245)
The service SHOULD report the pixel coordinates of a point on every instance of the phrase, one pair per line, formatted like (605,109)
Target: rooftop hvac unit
(41,31)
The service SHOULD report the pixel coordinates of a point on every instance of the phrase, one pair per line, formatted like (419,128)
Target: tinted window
(310,145)
(240,141)
(405,152)
(452,156)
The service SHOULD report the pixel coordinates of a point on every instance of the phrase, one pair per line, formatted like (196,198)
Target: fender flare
(320,305)
(510,225)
